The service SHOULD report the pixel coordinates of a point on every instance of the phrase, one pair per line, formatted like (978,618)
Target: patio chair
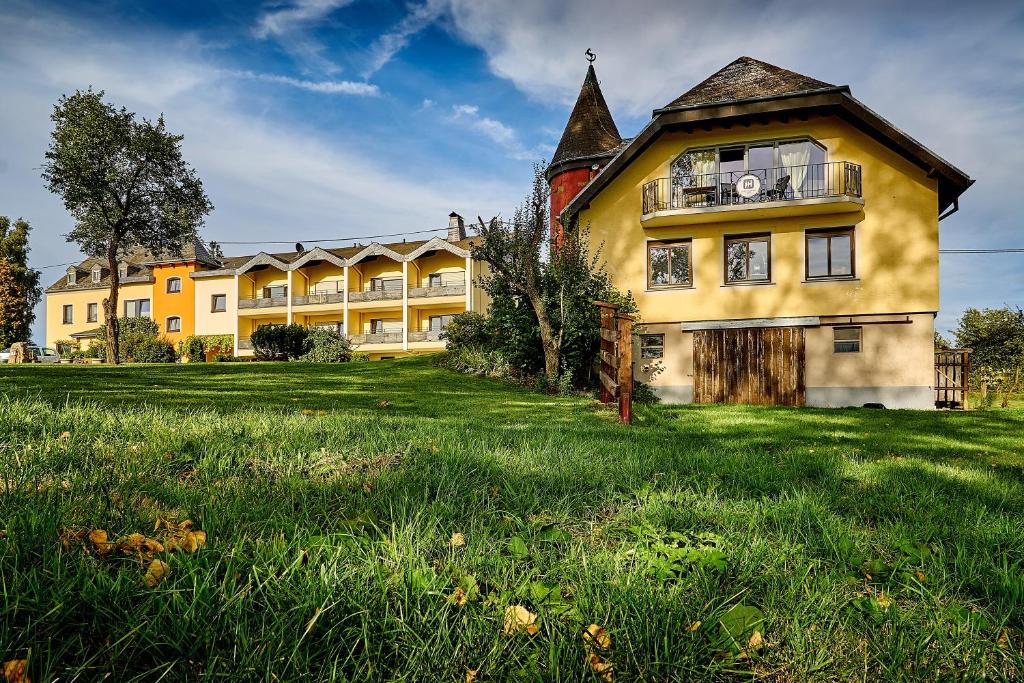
(779,191)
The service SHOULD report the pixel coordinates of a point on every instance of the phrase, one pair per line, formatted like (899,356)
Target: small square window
(829,253)
(846,339)
(668,264)
(219,303)
(652,345)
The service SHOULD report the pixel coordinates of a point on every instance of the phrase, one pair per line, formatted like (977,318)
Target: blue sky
(347,118)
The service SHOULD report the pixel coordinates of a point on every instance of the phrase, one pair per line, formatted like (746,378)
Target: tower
(590,140)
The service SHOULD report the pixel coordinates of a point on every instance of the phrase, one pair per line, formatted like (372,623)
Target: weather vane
(591,56)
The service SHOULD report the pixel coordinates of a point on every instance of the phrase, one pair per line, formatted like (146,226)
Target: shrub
(153,350)
(196,347)
(326,346)
(360,357)
(66,347)
(467,330)
(278,342)
(132,333)
(475,361)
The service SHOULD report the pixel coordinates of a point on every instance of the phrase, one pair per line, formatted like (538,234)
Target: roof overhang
(436,244)
(831,101)
(261,259)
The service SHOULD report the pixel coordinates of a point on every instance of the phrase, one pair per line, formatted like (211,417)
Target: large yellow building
(390,299)
(779,237)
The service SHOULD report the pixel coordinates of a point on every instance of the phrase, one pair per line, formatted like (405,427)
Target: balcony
(449,288)
(833,187)
(318,298)
(426,336)
(377,338)
(262,302)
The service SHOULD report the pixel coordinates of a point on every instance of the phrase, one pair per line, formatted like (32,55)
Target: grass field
(710,542)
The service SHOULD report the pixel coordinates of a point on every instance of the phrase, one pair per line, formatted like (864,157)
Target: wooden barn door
(758,365)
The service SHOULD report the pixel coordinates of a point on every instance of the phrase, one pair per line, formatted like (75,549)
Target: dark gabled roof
(785,94)
(192,250)
(743,79)
(591,132)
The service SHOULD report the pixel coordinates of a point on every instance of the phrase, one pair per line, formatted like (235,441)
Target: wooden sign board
(616,359)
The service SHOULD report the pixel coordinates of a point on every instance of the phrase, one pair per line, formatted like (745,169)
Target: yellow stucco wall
(79,299)
(180,304)
(896,236)
(208,322)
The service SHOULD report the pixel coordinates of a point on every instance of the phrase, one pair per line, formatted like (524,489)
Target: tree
(19,284)
(543,296)
(125,183)
(996,336)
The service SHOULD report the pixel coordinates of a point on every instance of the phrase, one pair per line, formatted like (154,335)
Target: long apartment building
(391,299)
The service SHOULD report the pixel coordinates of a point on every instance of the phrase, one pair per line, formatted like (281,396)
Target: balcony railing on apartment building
(377,338)
(426,335)
(263,302)
(314,298)
(450,288)
(785,183)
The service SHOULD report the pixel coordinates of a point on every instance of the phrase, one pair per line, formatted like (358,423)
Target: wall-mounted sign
(748,186)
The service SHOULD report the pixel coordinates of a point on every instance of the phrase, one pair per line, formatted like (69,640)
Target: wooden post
(625,358)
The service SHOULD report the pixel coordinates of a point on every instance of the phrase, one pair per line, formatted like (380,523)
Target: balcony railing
(319,298)
(452,289)
(375,295)
(263,302)
(377,338)
(427,335)
(786,183)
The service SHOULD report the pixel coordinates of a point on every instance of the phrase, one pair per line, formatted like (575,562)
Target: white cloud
(296,15)
(468,115)
(390,43)
(326,87)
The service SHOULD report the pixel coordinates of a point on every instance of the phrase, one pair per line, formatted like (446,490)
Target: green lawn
(877,545)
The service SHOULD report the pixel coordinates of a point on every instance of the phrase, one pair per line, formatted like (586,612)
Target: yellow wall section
(80,299)
(180,304)
(896,236)
(208,322)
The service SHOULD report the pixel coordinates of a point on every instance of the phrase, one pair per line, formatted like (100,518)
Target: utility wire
(981,251)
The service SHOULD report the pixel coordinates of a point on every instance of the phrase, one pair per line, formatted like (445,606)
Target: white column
(405,305)
(344,302)
(289,297)
(469,283)
(237,297)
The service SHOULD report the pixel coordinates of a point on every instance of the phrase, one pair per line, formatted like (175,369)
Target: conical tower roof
(591,132)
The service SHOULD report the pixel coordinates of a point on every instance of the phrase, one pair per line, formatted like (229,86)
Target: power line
(336,239)
(982,251)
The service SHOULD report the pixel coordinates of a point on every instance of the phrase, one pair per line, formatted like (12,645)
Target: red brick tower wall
(564,188)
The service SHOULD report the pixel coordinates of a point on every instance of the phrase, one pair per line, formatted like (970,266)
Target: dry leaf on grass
(518,618)
(156,572)
(458,597)
(458,540)
(596,637)
(694,626)
(98,538)
(471,675)
(1004,640)
(65,435)
(16,671)
(756,641)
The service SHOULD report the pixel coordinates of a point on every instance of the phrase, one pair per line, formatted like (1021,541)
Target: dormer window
(72,276)
(97,274)
(122,270)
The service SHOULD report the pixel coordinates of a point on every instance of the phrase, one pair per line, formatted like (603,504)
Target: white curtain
(795,157)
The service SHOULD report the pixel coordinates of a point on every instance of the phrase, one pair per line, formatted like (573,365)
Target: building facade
(391,299)
(780,239)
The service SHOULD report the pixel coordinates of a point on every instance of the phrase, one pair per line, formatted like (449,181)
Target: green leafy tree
(996,336)
(19,284)
(125,183)
(542,313)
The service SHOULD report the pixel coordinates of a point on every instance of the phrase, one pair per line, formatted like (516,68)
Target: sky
(322,119)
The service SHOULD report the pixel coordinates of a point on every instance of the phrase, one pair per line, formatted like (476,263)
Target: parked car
(36,354)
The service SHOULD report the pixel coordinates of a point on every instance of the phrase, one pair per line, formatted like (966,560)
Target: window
(438,323)
(173,285)
(275,292)
(434,280)
(846,339)
(327,287)
(136,308)
(174,324)
(122,270)
(829,253)
(382,326)
(218,303)
(68,313)
(385,284)
(800,162)
(748,258)
(72,276)
(668,264)
(652,345)
(92,313)
(97,274)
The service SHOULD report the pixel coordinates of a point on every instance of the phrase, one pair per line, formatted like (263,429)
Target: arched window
(173,285)
(174,324)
